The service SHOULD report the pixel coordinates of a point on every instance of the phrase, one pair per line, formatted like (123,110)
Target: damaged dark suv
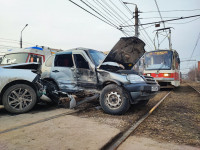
(84,72)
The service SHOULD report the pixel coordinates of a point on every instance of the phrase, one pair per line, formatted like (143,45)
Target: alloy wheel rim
(19,99)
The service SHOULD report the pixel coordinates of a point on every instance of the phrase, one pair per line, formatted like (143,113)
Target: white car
(19,87)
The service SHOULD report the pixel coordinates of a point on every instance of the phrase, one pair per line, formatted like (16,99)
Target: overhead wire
(168,20)
(116,11)
(197,41)
(169,11)
(146,33)
(109,10)
(106,10)
(186,22)
(99,13)
(126,7)
(110,18)
(93,14)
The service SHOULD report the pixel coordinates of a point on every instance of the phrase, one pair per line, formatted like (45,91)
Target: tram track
(115,142)
(194,89)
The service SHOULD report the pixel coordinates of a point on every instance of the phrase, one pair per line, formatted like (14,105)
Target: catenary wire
(167,20)
(186,22)
(110,18)
(93,14)
(98,13)
(169,11)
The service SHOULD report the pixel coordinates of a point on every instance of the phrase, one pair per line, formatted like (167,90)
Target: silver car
(84,72)
(18,87)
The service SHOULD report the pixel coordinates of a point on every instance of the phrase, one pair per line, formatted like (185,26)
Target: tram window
(35,58)
(158,60)
(177,62)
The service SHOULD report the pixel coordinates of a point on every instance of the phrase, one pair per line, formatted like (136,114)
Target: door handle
(55,71)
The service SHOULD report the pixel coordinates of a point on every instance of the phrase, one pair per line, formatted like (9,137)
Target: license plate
(154,88)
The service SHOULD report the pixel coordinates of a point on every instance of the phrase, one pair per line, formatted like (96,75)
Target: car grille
(149,80)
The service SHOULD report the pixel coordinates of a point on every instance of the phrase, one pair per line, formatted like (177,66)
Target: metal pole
(21,36)
(136,21)
(195,78)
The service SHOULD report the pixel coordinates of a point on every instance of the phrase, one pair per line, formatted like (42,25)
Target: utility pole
(21,36)
(136,21)
(136,18)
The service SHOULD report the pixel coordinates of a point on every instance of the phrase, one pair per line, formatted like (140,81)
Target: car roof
(69,51)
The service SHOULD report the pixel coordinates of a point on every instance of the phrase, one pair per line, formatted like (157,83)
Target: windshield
(97,56)
(158,60)
(14,58)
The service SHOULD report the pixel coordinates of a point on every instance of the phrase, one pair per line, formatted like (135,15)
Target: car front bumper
(141,91)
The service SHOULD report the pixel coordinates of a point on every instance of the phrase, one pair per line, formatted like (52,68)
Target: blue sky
(61,24)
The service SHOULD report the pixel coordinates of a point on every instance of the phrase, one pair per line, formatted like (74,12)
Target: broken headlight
(134,78)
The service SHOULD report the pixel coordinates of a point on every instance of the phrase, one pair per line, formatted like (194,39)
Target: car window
(64,60)
(49,61)
(80,61)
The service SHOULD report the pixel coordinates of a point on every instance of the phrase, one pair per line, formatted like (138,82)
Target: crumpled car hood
(35,67)
(126,52)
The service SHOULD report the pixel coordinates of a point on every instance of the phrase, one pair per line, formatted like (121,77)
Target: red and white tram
(164,66)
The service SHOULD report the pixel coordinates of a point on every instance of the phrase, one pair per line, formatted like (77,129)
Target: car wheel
(114,100)
(19,98)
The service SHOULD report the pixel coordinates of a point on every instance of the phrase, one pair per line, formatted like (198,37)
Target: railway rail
(121,137)
(194,89)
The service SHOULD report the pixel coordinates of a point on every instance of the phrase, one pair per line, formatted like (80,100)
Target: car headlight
(134,78)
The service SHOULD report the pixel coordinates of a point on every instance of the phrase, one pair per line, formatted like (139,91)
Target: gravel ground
(123,121)
(176,120)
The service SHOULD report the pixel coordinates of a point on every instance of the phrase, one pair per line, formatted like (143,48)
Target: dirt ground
(177,120)
(174,125)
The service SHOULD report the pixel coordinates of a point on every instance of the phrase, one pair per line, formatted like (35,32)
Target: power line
(116,11)
(103,13)
(16,41)
(195,45)
(146,33)
(98,13)
(169,11)
(106,4)
(167,20)
(186,22)
(160,16)
(107,11)
(156,17)
(93,14)
(126,7)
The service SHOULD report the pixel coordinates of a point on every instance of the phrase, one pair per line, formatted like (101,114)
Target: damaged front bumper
(141,91)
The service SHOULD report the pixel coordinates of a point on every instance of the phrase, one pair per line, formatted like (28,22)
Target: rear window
(64,60)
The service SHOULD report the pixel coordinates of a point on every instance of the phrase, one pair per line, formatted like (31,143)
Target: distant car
(82,71)
(18,87)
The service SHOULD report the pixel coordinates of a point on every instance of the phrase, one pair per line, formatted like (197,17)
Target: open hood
(125,53)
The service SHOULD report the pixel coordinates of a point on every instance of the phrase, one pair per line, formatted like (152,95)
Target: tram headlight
(166,74)
(134,78)
(148,74)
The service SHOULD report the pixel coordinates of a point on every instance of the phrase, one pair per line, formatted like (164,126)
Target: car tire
(114,100)
(19,98)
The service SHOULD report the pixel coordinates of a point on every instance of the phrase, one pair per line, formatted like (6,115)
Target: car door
(63,72)
(85,70)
